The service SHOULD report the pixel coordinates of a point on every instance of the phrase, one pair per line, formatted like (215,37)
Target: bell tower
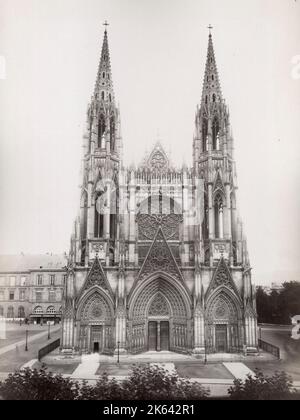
(222,251)
(98,232)
(214,162)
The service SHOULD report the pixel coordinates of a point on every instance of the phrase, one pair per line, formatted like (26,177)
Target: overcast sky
(158,51)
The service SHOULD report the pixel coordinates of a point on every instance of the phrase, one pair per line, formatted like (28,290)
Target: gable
(219,186)
(222,277)
(97,277)
(160,259)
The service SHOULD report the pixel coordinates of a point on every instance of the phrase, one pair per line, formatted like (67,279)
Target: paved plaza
(217,374)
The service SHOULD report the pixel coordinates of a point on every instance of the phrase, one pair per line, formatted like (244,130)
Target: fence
(269,348)
(47,349)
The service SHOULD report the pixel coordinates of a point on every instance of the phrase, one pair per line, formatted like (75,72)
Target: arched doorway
(95,322)
(223,324)
(159,317)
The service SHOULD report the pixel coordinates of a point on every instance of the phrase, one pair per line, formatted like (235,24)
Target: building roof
(22,262)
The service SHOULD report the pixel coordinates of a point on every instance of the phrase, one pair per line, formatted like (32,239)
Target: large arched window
(215,134)
(51,310)
(204,135)
(218,210)
(112,130)
(101,130)
(38,310)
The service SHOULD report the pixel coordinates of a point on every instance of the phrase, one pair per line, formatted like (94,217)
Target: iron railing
(48,349)
(269,348)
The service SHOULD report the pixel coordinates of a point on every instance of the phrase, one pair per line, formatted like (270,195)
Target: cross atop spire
(210,29)
(106,24)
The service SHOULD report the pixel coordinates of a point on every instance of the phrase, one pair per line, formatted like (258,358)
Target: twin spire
(211,85)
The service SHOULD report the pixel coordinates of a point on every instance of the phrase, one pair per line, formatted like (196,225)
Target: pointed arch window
(205,223)
(214,97)
(103,75)
(216,134)
(212,77)
(101,130)
(102,95)
(218,213)
(112,133)
(204,135)
(99,215)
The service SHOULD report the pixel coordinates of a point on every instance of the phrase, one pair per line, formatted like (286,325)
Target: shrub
(155,383)
(105,389)
(261,387)
(35,384)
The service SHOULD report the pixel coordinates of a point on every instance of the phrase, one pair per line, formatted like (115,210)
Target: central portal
(158,335)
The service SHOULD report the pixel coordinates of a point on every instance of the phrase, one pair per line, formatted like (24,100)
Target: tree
(261,387)
(279,306)
(35,384)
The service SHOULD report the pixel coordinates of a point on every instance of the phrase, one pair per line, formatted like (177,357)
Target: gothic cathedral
(158,257)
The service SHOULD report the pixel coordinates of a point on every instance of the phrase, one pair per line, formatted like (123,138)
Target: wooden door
(164,335)
(152,335)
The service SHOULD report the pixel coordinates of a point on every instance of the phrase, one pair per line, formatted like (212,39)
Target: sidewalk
(14,356)
(21,343)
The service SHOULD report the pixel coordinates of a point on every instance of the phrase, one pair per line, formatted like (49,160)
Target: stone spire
(104,85)
(211,84)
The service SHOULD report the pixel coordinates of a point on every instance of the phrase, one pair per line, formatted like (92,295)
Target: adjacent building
(158,257)
(31,287)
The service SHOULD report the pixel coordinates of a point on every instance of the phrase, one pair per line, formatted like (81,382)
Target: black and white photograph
(150,206)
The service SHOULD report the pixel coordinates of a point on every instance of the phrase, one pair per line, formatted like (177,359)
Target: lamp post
(205,355)
(118,361)
(26,341)
(49,330)
(260,333)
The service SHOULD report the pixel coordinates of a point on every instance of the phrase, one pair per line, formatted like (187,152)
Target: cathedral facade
(158,257)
